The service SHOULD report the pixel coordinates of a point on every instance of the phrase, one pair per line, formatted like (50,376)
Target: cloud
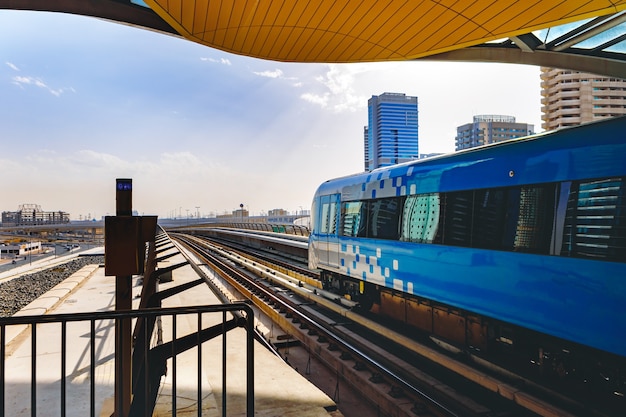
(223,61)
(340,78)
(12,66)
(331,87)
(336,89)
(76,166)
(320,100)
(277,73)
(98,161)
(21,81)
(176,160)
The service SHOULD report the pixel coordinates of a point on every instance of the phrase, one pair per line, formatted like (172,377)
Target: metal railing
(290,229)
(72,355)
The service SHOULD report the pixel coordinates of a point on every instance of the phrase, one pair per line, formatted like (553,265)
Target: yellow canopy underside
(364,31)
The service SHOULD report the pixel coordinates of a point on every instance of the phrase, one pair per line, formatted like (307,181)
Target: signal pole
(123,301)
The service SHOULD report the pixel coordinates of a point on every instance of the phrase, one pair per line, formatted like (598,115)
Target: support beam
(604,65)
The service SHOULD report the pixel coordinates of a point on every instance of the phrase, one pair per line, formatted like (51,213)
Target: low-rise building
(33,215)
(19,249)
(490,128)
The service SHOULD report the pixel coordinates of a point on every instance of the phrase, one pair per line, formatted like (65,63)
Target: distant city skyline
(86,101)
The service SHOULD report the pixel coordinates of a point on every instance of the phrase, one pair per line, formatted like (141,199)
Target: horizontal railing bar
(120,314)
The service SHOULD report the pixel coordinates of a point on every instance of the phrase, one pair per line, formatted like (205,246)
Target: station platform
(279,389)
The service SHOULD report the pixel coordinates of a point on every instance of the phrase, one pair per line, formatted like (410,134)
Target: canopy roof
(365,31)
(583,35)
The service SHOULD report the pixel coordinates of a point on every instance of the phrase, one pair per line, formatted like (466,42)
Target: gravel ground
(19,292)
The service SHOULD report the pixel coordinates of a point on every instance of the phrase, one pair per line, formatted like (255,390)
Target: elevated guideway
(288,240)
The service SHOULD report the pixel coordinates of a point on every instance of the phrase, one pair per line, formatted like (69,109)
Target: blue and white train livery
(481,246)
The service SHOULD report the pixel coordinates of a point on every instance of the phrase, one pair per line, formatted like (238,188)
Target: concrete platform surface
(279,389)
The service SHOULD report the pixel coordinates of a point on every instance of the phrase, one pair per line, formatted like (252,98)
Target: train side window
(490,214)
(384,218)
(560,214)
(328,217)
(328,214)
(332,223)
(512,208)
(533,233)
(325,218)
(420,218)
(457,219)
(351,220)
(595,220)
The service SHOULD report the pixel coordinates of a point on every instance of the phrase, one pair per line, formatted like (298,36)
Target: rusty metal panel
(392,306)
(476,332)
(121,236)
(420,315)
(148,228)
(449,324)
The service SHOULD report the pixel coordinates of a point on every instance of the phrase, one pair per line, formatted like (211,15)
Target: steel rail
(260,292)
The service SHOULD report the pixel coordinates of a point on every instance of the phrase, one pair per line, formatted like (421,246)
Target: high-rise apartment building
(490,128)
(391,135)
(570,98)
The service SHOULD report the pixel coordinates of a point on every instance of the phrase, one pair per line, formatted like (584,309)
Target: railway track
(522,388)
(391,381)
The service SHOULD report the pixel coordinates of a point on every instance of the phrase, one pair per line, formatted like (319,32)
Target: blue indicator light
(124,185)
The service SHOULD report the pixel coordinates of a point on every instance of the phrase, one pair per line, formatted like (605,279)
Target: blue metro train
(520,243)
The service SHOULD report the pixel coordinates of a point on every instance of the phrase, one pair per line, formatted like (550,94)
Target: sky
(84,101)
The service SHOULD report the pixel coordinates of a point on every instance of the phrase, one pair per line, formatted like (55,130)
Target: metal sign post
(122,239)
(125,238)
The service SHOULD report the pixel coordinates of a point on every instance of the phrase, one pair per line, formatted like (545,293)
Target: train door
(329,246)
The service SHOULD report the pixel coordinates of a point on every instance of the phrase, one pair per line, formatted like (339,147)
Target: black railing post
(33,370)
(250,362)
(63,368)
(2,371)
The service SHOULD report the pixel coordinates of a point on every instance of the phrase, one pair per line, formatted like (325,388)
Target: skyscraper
(391,135)
(490,128)
(569,98)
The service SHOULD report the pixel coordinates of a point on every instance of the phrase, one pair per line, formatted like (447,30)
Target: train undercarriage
(568,368)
